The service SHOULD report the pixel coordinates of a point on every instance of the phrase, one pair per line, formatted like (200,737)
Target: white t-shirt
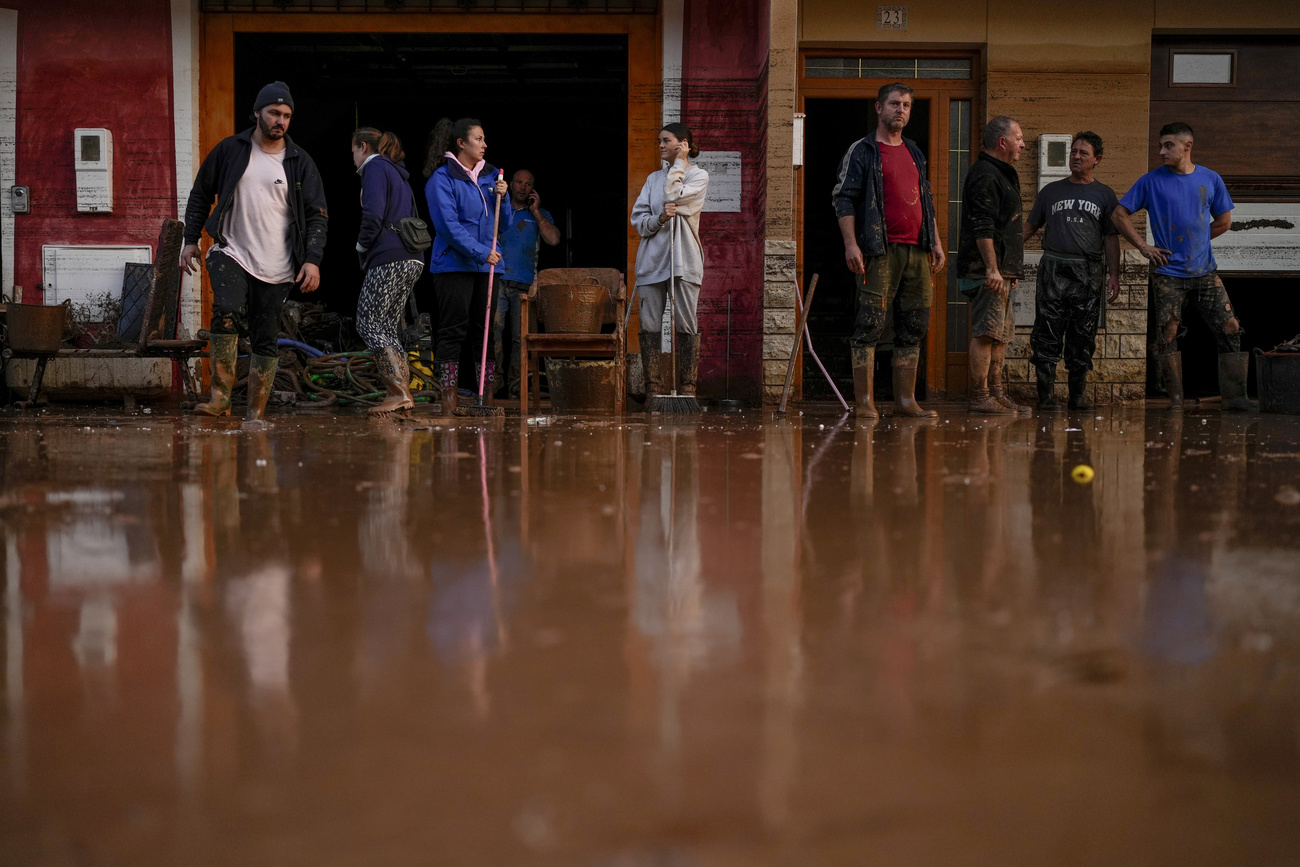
(257,224)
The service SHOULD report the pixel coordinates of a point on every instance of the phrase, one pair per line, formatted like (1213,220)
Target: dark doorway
(831,126)
(554,104)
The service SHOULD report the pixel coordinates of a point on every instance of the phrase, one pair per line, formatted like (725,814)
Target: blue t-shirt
(519,247)
(1179,210)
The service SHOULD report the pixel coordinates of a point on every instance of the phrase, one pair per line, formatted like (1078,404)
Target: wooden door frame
(644,70)
(941,92)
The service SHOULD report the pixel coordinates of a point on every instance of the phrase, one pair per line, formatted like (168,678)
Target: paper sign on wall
(724,180)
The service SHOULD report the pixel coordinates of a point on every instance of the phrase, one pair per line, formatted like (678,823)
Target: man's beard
(266,130)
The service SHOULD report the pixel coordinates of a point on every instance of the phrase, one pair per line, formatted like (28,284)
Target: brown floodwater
(740,640)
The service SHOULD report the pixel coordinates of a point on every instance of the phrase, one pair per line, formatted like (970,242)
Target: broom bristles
(673,404)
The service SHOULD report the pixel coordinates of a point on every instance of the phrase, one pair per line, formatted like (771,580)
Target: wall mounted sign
(891,17)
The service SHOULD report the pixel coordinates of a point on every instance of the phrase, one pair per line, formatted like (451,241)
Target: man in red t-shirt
(892,245)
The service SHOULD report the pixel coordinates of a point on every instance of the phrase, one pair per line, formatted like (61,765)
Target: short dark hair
(1091,138)
(886,90)
(996,129)
(1176,128)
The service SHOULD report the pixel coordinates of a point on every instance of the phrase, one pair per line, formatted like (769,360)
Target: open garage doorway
(554,104)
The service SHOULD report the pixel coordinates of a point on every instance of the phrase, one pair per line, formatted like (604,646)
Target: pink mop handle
(487,314)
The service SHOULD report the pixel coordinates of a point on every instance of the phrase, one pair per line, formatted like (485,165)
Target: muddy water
(581,642)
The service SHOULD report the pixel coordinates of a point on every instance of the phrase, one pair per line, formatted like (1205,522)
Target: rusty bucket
(36,327)
(577,305)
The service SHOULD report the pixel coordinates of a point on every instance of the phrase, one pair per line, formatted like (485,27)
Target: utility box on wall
(92,151)
(1053,158)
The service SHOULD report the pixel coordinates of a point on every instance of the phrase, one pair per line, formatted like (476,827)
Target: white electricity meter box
(1053,158)
(92,151)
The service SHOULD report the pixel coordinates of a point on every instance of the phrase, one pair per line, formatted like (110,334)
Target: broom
(673,403)
(480,408)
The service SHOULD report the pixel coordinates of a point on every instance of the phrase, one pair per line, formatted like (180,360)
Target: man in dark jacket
(990,257)
(891,244)
(269,232)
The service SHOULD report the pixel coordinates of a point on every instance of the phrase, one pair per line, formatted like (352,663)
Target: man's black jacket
(860,192)
(991,208)
(220,174)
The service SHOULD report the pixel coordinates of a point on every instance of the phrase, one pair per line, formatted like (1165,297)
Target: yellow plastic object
(1082,474)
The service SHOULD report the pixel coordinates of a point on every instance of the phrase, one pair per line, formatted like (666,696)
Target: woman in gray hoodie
(667,217)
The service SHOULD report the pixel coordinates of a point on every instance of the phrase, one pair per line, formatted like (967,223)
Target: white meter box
(1053,158)
(92,151)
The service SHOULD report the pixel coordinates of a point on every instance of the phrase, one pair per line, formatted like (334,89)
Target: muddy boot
(982,402)
(651,358)
(1046,374)
(1233,369)
(489,382)
(222,349)
(1171,371)
(1079,390)
(391,364)
(906,361)
(864,382)
(261,379)
(688,362)
(448,373)
(998,393)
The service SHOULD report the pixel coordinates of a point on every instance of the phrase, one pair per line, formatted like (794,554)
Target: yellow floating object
(1082,474)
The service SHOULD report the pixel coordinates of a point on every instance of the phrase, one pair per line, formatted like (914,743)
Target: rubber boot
(222,350)
(651,360)
(1233,369)
(489,383)
(448,373)
(1171,371)
(391,364)
(1046,374)
(998,393)
(864,382)
(261,379)
(1079,390)
(906,361)
(688,362)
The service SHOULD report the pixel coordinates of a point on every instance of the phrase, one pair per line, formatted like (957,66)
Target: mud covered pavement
(741,641)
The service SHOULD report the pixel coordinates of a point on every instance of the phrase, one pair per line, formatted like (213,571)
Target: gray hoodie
(687,185)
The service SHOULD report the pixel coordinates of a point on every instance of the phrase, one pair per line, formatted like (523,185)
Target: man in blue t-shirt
(1187,205)
(519,246)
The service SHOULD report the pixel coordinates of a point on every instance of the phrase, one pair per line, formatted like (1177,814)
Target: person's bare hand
(937,259)
(853,258)
(534,202)
(683,149)
(670,209)
(502,187)
(494,257)
(308,278)
(993,279)
(1155,255)
(190,258)
(1113,295)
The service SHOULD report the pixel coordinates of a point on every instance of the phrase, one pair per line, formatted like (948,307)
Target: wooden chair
(159,286)
(554,289)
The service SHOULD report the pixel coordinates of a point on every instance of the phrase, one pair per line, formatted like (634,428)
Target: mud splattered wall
(90,63)
(724,98)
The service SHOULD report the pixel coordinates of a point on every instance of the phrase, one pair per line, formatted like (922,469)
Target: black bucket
(1278,376)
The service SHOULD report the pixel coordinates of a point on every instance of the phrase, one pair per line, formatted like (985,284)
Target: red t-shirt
(902,194)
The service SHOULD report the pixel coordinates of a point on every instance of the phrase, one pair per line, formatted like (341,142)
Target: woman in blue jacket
(391,270)
(461,191)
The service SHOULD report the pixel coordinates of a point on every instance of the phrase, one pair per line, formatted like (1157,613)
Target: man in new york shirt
(891,244)
(1187,206)
(519,245)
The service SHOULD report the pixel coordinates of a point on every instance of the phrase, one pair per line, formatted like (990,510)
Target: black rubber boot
(864,382)
(1047,401)
(1079,389)
(1233,369)
(688,362)
(261,379)
(1171,371)
(222,351)
(651,359)
(906,361)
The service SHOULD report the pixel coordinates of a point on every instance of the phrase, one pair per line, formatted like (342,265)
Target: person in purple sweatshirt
(391,270)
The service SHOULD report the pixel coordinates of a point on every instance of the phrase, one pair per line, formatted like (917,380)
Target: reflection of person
(990,256)
(1187,205)
(1077,213)
(269,227)
(530,226)
(667,216)
(391,269)
(460,190)
(891,244)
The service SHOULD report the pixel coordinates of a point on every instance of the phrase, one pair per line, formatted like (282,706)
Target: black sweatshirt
(991,208)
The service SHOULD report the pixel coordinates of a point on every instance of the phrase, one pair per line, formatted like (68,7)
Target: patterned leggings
(383,296)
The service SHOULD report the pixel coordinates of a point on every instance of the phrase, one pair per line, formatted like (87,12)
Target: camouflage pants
(1170,297)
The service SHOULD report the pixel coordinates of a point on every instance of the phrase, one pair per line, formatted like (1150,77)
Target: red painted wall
(92,63)
(724,99)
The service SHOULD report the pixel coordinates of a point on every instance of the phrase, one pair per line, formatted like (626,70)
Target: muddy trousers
(505,327)
(242,304)
(382,302)
(1170,297)
(1068,302)
(462,300)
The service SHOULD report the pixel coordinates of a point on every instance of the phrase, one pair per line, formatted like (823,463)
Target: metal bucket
(36,327)
(573,308)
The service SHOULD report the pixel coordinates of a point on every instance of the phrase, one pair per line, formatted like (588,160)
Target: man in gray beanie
(268,229)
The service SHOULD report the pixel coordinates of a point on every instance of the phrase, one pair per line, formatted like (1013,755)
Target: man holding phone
(519,245)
